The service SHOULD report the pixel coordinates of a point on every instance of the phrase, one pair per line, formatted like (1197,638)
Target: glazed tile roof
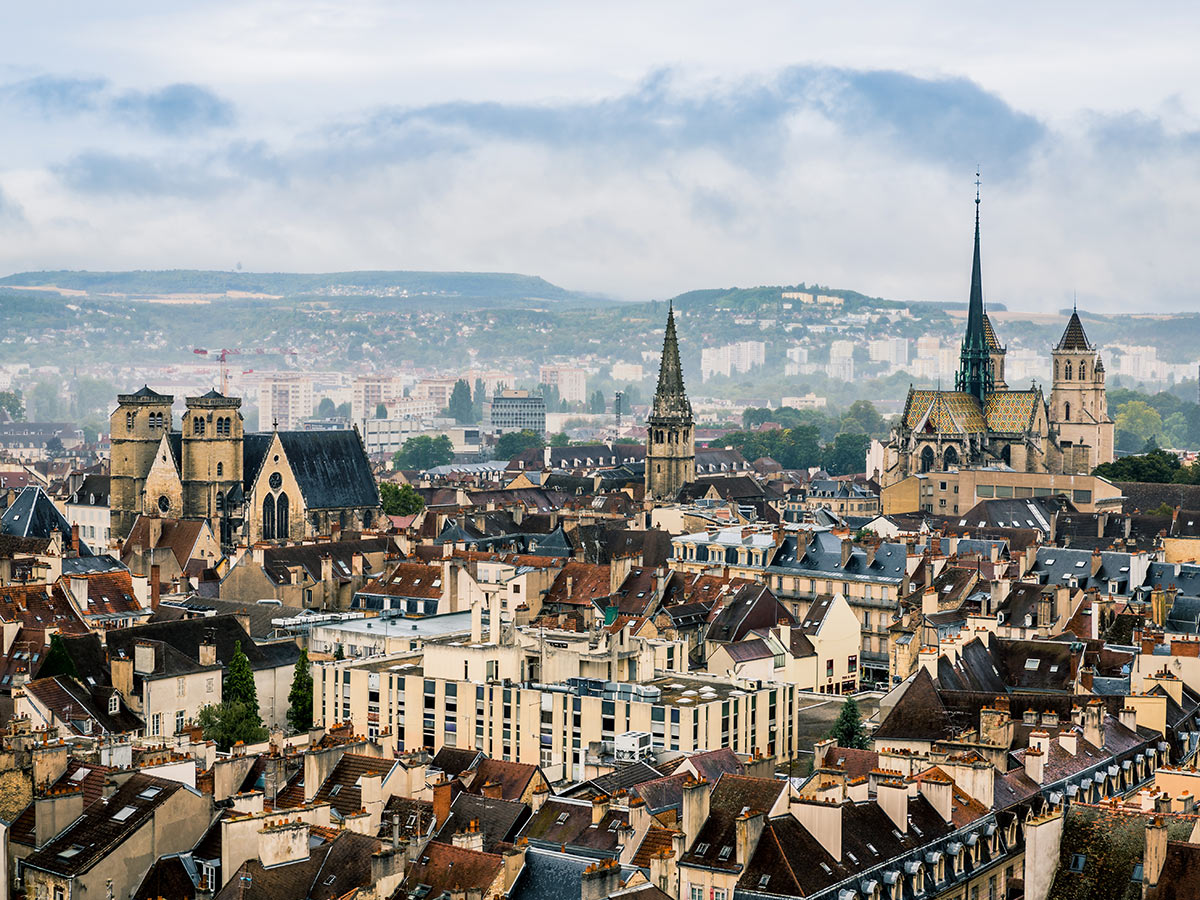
(989,334)
(1011,412)
(944,412)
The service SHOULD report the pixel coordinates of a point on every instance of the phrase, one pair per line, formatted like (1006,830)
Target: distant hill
(500,285)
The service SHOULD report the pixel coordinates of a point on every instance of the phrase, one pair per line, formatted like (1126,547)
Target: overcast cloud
(630,151)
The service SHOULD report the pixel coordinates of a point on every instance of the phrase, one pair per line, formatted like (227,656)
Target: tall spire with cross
(670,438)
(975,375)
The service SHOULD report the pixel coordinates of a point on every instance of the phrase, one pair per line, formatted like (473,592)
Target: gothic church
(983,423)
(283,485)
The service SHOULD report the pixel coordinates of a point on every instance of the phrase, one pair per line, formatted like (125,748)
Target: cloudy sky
(635,149)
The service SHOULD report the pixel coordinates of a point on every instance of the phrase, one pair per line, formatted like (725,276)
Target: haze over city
(618,149)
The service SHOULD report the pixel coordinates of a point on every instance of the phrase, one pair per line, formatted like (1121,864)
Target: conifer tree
(239,680)
(848,730)
(300,712)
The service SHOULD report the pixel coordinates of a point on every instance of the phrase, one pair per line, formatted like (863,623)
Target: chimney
(326,568)
(55,812)
(695,807)
(155,586)
(443,796)
(1128,718)
(494,613)
(600,880)
(940,794)
(493,790)
(1069,741)
(749,828)
(1093,723)
(1035,764)
(75,539)
(477,622)
(856,789)
(847,547)
(821,750)
(822,820)
(892,797)
(1156,851)
(288,842)
(79,590)
(470,838)
(143,658)
(600,806)
(357,563)
(929,601)
(208,649)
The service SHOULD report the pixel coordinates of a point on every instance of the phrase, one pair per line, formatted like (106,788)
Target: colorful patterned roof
(989,334)
(1011,412)
(949,412)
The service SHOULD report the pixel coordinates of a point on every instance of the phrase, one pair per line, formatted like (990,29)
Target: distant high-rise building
(285,399)
(515,411)
(671,434)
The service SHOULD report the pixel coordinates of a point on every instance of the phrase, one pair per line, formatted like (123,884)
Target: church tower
(671,436)
(136,429)
(975,372)
(212,459)
(1079,401)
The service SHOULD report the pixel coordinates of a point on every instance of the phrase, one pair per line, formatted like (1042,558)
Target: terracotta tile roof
(408,580)
(416,817)
(656,840)
(559,821)
(336,867)
(179,535)
(730,796)
(109,594)
(965,809)
(341,789)
(513,777)
(588,582)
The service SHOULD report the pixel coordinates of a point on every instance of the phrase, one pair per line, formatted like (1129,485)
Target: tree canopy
(424,452)
(461,407)
(231,721)
(514,442)
(239,680)
(14,404)
(1158,466)
(400,499)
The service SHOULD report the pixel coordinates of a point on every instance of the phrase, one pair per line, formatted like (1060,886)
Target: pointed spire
(975,332)
(671,398)
(975,374)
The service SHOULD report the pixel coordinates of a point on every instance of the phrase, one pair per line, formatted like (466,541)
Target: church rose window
(164,504)
(276,481)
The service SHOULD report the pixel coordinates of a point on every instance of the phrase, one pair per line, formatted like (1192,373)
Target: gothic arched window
(220,502)
(1066,412)
(281,516)
(1067,370)
(927,459)
(1056,370)
(951,457)
(1082,371)
(268,518)
(198,425)
(220,469)
(129,421)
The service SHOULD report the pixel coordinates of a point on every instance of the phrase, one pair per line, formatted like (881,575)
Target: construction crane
(221,358)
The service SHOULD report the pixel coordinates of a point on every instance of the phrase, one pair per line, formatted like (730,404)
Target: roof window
(124,813)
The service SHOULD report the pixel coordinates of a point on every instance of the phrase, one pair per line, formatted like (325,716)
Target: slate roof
(72,702)
(713,764)
(33,514)
(754,606)
(98,832)
(1073,337)
(499,820)
(513,777)
(276,560)
(168,876)
(416,817)
(454,760)
(186,636)
(443,868)
(334,868)
(661,794)
(624,778)
(90,777)
(260,615)
(550,875)
(918,715)
(559,821)
(341,788)
(331,468)
(730,796)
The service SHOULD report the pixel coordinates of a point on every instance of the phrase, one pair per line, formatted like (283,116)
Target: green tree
(300,698)
(424,452)
(343,410)
(54,446)
(863,418)
(514,442)
(239,681)
(596,404)
(13,404)
(338,652)
(460,405)
(847,454)
(560,440)
(231,721)
(1140,421)
(400,499)
(380,411)
(1157,466)
(46,400)
(848,730)
(326,409)
(58,660)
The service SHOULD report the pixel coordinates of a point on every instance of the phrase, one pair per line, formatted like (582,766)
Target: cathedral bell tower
(1079,400)
(671,434)
(212,460)
(136,431)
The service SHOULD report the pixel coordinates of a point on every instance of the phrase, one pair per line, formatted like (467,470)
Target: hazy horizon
(631,152)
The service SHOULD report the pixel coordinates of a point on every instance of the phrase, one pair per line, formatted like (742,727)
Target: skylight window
(725,851)
(124,813)
(80,774)
(150,793)
(562,819)
(73,850)
(701,849)
(1032,664)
